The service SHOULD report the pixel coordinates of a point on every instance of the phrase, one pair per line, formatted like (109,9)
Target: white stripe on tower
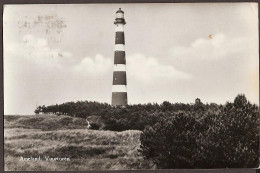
(119,67)
(119,47)
(119,28)
(119,90)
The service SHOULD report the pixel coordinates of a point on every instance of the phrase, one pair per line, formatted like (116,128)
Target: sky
(174,52)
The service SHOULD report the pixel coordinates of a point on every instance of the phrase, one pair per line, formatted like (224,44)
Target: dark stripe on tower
(120,38)
(119,20)
(119,78)
(119,98)
(119,57)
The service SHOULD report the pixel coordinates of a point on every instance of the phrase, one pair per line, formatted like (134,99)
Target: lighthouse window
(120,15)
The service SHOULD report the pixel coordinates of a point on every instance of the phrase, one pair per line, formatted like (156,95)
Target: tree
(238,127)
(217,137)
(37,110)
(171,142)
(166,106)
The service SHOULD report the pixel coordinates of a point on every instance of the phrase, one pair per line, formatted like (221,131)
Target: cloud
(215,47)
(98,65)
(37,51)
(147,69)
(38,48)
(139,68)
(221,58)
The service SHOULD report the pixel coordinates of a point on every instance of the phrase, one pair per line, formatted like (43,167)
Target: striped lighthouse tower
(119,92)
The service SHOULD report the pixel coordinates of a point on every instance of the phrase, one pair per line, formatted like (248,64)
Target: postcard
(143,86)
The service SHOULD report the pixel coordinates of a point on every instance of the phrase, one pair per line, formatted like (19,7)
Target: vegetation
(130,117)
(87,149)
(226,137)
(43,122)
(173,135)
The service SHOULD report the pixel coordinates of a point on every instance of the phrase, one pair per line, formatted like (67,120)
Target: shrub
(219,138)
(94,126)
(171,142)
(236,133)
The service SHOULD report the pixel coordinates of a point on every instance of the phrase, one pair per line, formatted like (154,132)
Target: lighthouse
(119,90)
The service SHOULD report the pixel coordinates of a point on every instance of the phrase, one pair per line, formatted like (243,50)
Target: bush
(171,142)
(236,133)
(94,126)
(227,137)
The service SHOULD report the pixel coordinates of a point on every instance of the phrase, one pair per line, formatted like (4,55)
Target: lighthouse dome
(120,11)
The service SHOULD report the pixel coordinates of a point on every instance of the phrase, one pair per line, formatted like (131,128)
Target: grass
(44,122)
(62,136)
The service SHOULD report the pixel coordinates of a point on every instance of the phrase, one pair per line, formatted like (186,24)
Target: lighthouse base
(119,98)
